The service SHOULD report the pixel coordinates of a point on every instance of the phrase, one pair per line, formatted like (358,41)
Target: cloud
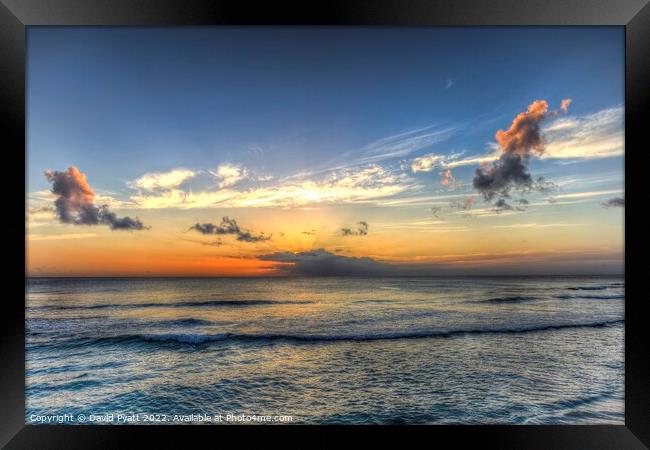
(616,202)
(229,226)
(362,230)
(400,145)
(74,202)
(464,204)
(537,225)
(524,134)
(119,223)
(162,180)
(436,212)
(448,180)
(517,144)
(320,262)
(56,237)
(428,162)
(460,206)
(40,209)
(564,105)
(365,184)
(482,213)
(502,205)
(586,194)
(40,215)
(230,174)
(597,135)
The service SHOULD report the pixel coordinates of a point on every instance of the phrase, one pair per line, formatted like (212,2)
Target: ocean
(501,350)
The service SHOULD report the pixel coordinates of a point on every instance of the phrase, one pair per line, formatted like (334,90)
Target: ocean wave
(193,304)
(190,321)
(196,338)
(373,301)
(589,288)
(590,297)
(512,299)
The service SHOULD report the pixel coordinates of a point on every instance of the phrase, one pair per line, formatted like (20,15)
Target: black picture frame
(16,15)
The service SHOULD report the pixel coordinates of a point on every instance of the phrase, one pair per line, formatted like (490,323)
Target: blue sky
(113,98)
(121,103)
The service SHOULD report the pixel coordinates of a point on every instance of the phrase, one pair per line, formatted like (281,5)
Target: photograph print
(325,225)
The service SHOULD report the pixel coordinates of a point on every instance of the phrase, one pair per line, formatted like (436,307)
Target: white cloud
(162,180)
(598,135)
(230,174)
(360,185)
(586,194)
(426,163)
(39,215)
(400,145)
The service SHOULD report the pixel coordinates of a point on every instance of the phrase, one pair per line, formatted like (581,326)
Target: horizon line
(328,276)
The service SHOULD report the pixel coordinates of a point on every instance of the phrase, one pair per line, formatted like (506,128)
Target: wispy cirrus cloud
(480,213)
(58,237)
(537,225)
(366,184)
(586,194)
(400,145)
(597,135)
(431,161)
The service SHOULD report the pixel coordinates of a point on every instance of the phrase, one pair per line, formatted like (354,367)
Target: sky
(300,151)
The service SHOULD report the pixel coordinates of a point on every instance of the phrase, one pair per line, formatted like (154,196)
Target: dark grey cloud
(517,144)
(616,202)
(108,217)
(436,211)
(362,230)
(503,205)
(320,262)
(229,226)
(75,202)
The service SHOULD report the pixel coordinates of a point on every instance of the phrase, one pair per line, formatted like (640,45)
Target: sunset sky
(324,151)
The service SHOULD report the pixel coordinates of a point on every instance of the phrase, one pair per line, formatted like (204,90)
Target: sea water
(506,350)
